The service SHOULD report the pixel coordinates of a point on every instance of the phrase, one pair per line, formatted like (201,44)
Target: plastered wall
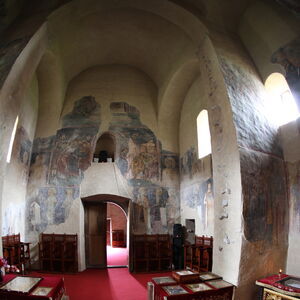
(17,171)
(263,177)
(59,162)
(290,141)
(196,183)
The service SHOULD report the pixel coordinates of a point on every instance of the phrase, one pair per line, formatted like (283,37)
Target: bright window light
(204,141)
(12,139)
(282,106)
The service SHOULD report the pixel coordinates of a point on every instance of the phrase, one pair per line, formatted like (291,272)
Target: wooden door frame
(86,224)
(126,205)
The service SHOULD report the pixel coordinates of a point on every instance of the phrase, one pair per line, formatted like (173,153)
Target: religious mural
(58,163)
(143,163)
(246,95)
(264,197)
(294,181)
(197,188)
(289,57)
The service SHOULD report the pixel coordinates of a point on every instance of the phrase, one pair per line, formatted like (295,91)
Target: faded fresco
(289,57)
(294,182)
(246,94)
(8,55)
(17,172)
(151,172)
(264,195)
(197,189)
(58,163)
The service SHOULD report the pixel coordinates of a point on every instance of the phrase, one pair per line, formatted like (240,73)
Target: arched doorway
(95,228)
(116,233)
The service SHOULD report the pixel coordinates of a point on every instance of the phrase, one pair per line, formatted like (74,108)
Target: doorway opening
(107,231)
(116,241)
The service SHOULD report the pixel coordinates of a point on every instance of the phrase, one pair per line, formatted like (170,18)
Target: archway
(116,233)
(105,149)
(95,228)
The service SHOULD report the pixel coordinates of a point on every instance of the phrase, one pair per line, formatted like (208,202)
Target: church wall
(264,188)
(261,39)
(17,171)
(290,141)
(196,184)
(117,99)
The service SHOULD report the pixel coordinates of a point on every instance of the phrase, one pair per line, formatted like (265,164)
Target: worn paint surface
(196,191)
(58,163)
(150,171)
(289,57)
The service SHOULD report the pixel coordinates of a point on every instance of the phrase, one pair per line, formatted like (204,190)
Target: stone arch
(106,142)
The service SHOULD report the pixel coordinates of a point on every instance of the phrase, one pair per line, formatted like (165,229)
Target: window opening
(12,139)
(283,106)
(203,132)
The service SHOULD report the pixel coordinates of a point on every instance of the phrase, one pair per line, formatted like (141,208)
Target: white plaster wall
(104,178)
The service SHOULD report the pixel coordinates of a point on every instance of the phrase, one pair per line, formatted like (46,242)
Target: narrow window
(204,141)
(12,139)
(283,107)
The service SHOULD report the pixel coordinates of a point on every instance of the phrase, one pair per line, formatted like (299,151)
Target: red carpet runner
(110,284)
(117,256)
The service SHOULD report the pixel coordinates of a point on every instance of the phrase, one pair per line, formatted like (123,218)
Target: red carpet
(110,284)
(117,256)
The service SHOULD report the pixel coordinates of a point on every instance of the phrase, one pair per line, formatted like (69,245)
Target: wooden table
(55,283)
(212,292)
(277,287)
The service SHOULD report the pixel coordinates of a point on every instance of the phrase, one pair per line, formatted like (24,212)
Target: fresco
(86,112)
(73,151)
(246,94)
(289,57)
(52,206)
(21,152)
(264,195)
(58,163)
(294,181)
(197,188)
(143,163)
(8,55)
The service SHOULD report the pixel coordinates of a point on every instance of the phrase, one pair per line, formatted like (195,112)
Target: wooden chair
(16,252)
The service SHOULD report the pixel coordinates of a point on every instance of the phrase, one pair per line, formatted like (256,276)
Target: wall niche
(105,148)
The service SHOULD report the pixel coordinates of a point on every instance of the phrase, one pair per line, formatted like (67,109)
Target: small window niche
(105,149)
(203,132)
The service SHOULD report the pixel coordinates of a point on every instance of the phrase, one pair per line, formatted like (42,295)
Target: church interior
(122,118)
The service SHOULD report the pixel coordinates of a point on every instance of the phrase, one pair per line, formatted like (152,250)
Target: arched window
(105,148)
(12,139)
(203,132)
(282,103)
